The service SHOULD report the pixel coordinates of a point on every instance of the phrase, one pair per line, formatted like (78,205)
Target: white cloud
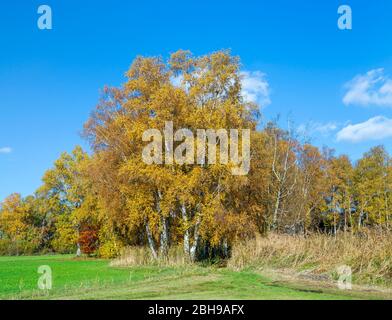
(255,87)
(311,128)
(372,88)
(376,128)
(5,150)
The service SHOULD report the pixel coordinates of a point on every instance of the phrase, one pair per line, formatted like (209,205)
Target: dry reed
(369,255)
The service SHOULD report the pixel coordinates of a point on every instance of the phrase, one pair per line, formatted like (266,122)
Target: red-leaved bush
(88,240)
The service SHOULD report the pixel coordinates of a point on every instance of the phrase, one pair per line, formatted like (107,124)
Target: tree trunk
(276,211)
(193,249)
(151,241)
(186,232)
(360,219)
(164,239)
(225,247)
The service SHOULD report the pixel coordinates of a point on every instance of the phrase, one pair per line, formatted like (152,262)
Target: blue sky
(336,85)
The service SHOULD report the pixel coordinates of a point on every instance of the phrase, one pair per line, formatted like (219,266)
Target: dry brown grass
(369,255)
(141,256)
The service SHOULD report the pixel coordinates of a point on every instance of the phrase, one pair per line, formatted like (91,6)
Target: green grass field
(95,279)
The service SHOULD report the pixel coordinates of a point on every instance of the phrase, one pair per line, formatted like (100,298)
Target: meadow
(88,278)
(287,229)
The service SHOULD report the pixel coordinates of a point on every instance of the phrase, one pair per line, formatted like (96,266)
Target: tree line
(109,198)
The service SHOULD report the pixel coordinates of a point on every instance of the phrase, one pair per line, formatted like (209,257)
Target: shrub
(88,240)
(109,250)
(16,248)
